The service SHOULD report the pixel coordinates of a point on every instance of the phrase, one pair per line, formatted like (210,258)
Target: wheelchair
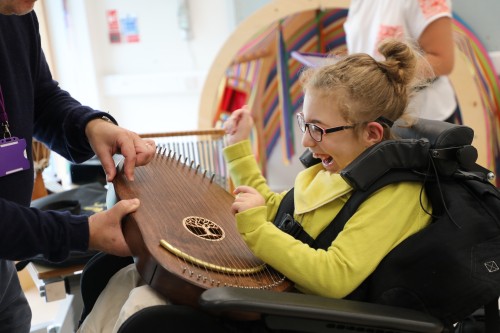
(292,312)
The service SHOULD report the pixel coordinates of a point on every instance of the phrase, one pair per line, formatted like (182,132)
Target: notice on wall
(115,36)
(130,30)
(122,29)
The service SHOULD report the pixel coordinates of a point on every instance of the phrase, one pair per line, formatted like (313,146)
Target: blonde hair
(366,89)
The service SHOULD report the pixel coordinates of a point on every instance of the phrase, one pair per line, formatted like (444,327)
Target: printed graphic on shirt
(432,8)
(388,31)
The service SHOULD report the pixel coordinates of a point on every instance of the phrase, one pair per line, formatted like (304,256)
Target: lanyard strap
(4,119)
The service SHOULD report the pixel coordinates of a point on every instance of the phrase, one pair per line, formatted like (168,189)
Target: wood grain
(173,194)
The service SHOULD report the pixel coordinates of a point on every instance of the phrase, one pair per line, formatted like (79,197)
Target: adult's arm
(54,234)
(32,231)
(438,45)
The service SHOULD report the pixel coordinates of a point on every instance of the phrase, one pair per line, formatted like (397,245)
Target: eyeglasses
(315,131)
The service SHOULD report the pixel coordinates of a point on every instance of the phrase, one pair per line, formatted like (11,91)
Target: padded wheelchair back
(447,146)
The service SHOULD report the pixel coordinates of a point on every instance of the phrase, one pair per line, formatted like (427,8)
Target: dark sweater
(36,107)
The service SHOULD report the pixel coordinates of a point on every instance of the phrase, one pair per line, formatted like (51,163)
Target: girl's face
(337,149)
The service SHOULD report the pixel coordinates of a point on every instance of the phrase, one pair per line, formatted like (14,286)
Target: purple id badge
(13,157)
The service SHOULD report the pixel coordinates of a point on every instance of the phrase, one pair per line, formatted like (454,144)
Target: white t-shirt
(370,21)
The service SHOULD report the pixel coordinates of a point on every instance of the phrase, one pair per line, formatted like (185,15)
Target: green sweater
(381,222)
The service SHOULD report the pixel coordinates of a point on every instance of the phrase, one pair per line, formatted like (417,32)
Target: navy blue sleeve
(33,232)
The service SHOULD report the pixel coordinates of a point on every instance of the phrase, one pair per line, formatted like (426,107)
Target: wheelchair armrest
(283,310)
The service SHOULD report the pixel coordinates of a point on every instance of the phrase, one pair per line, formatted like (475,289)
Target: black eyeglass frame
(322,131)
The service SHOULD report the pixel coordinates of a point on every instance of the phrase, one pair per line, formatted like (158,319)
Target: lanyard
(4,120)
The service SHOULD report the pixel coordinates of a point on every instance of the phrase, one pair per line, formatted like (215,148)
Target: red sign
(114,26)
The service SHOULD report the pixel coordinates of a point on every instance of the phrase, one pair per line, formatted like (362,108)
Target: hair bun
(401,61)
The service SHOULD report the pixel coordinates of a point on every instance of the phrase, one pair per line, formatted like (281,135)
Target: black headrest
(439,133)
(448,145)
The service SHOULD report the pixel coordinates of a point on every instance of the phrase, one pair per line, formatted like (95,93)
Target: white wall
(149,86)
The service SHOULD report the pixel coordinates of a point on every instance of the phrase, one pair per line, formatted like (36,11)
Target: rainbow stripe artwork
(488,84)
(286,116)
(314,31)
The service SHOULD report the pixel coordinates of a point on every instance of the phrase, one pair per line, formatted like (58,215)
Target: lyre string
(222,257)
(208,274)
(165,232)
(227,260)
(204,152)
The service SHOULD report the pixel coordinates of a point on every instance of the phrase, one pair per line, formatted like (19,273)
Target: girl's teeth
(327,161)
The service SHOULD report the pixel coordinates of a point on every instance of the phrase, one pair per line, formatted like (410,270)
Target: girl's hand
(246,197)
(239,125)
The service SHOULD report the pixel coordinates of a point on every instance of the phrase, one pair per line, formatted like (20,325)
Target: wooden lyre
(183,236)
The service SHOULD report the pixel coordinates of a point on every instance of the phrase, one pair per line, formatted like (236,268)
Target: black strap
(285,222)
(328,235)
(287,206)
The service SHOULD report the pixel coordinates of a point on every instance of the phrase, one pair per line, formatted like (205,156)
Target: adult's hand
(105,231)
(107,139)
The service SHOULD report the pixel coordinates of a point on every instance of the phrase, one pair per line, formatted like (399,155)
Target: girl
(348,107)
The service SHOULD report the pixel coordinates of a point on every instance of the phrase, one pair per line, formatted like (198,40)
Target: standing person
(341,118)
(33,105)
(428,23)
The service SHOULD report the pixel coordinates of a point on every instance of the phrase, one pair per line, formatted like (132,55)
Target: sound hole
(203,228)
